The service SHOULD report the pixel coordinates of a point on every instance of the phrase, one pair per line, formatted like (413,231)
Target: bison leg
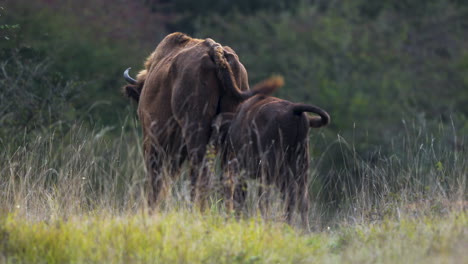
(298,201)
(155,177)
(303,187)
(229,184)
(164,155)
(199,181)
(197,140)
(239,192)
(296,188)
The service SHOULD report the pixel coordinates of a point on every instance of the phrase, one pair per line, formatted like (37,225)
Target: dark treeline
(378,67)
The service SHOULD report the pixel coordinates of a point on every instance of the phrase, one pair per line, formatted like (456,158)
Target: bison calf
(267,137)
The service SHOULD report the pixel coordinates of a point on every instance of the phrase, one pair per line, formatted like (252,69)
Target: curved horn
(127,77)
(323,120)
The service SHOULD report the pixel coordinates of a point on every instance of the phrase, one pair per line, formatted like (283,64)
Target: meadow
(80,198)
(189,237)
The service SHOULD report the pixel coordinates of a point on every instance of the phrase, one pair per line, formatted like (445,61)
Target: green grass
(188,237)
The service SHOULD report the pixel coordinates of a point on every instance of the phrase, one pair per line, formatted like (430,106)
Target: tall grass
(422,167)
(80,172)
(81,197)
(87,171)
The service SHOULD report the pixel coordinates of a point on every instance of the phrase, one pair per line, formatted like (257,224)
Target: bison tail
(223,69)
(267,86)
(226,76)
(315,121)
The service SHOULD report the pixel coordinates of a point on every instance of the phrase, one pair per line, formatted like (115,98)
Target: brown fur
(185,84)
(268,138)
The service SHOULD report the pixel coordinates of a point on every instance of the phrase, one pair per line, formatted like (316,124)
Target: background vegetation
(392,74)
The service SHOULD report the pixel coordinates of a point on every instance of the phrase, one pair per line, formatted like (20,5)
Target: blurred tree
(370,72)
(182,13)
(384,73)
(33,98)
(370,63)
(78,53)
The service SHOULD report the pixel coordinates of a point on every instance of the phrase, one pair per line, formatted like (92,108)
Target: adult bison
(267,137)
(185,84)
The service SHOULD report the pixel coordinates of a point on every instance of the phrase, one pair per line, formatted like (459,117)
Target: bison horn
(127,77)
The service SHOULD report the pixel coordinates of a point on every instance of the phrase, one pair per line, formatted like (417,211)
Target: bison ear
(268,86)
(132,91)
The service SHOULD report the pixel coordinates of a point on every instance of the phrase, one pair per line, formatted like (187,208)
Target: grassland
(80,198)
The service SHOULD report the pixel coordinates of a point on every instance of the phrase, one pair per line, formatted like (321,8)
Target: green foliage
(33,99)
(70,57)
(371,65)
(208,7)
(184,12)
(6,29)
